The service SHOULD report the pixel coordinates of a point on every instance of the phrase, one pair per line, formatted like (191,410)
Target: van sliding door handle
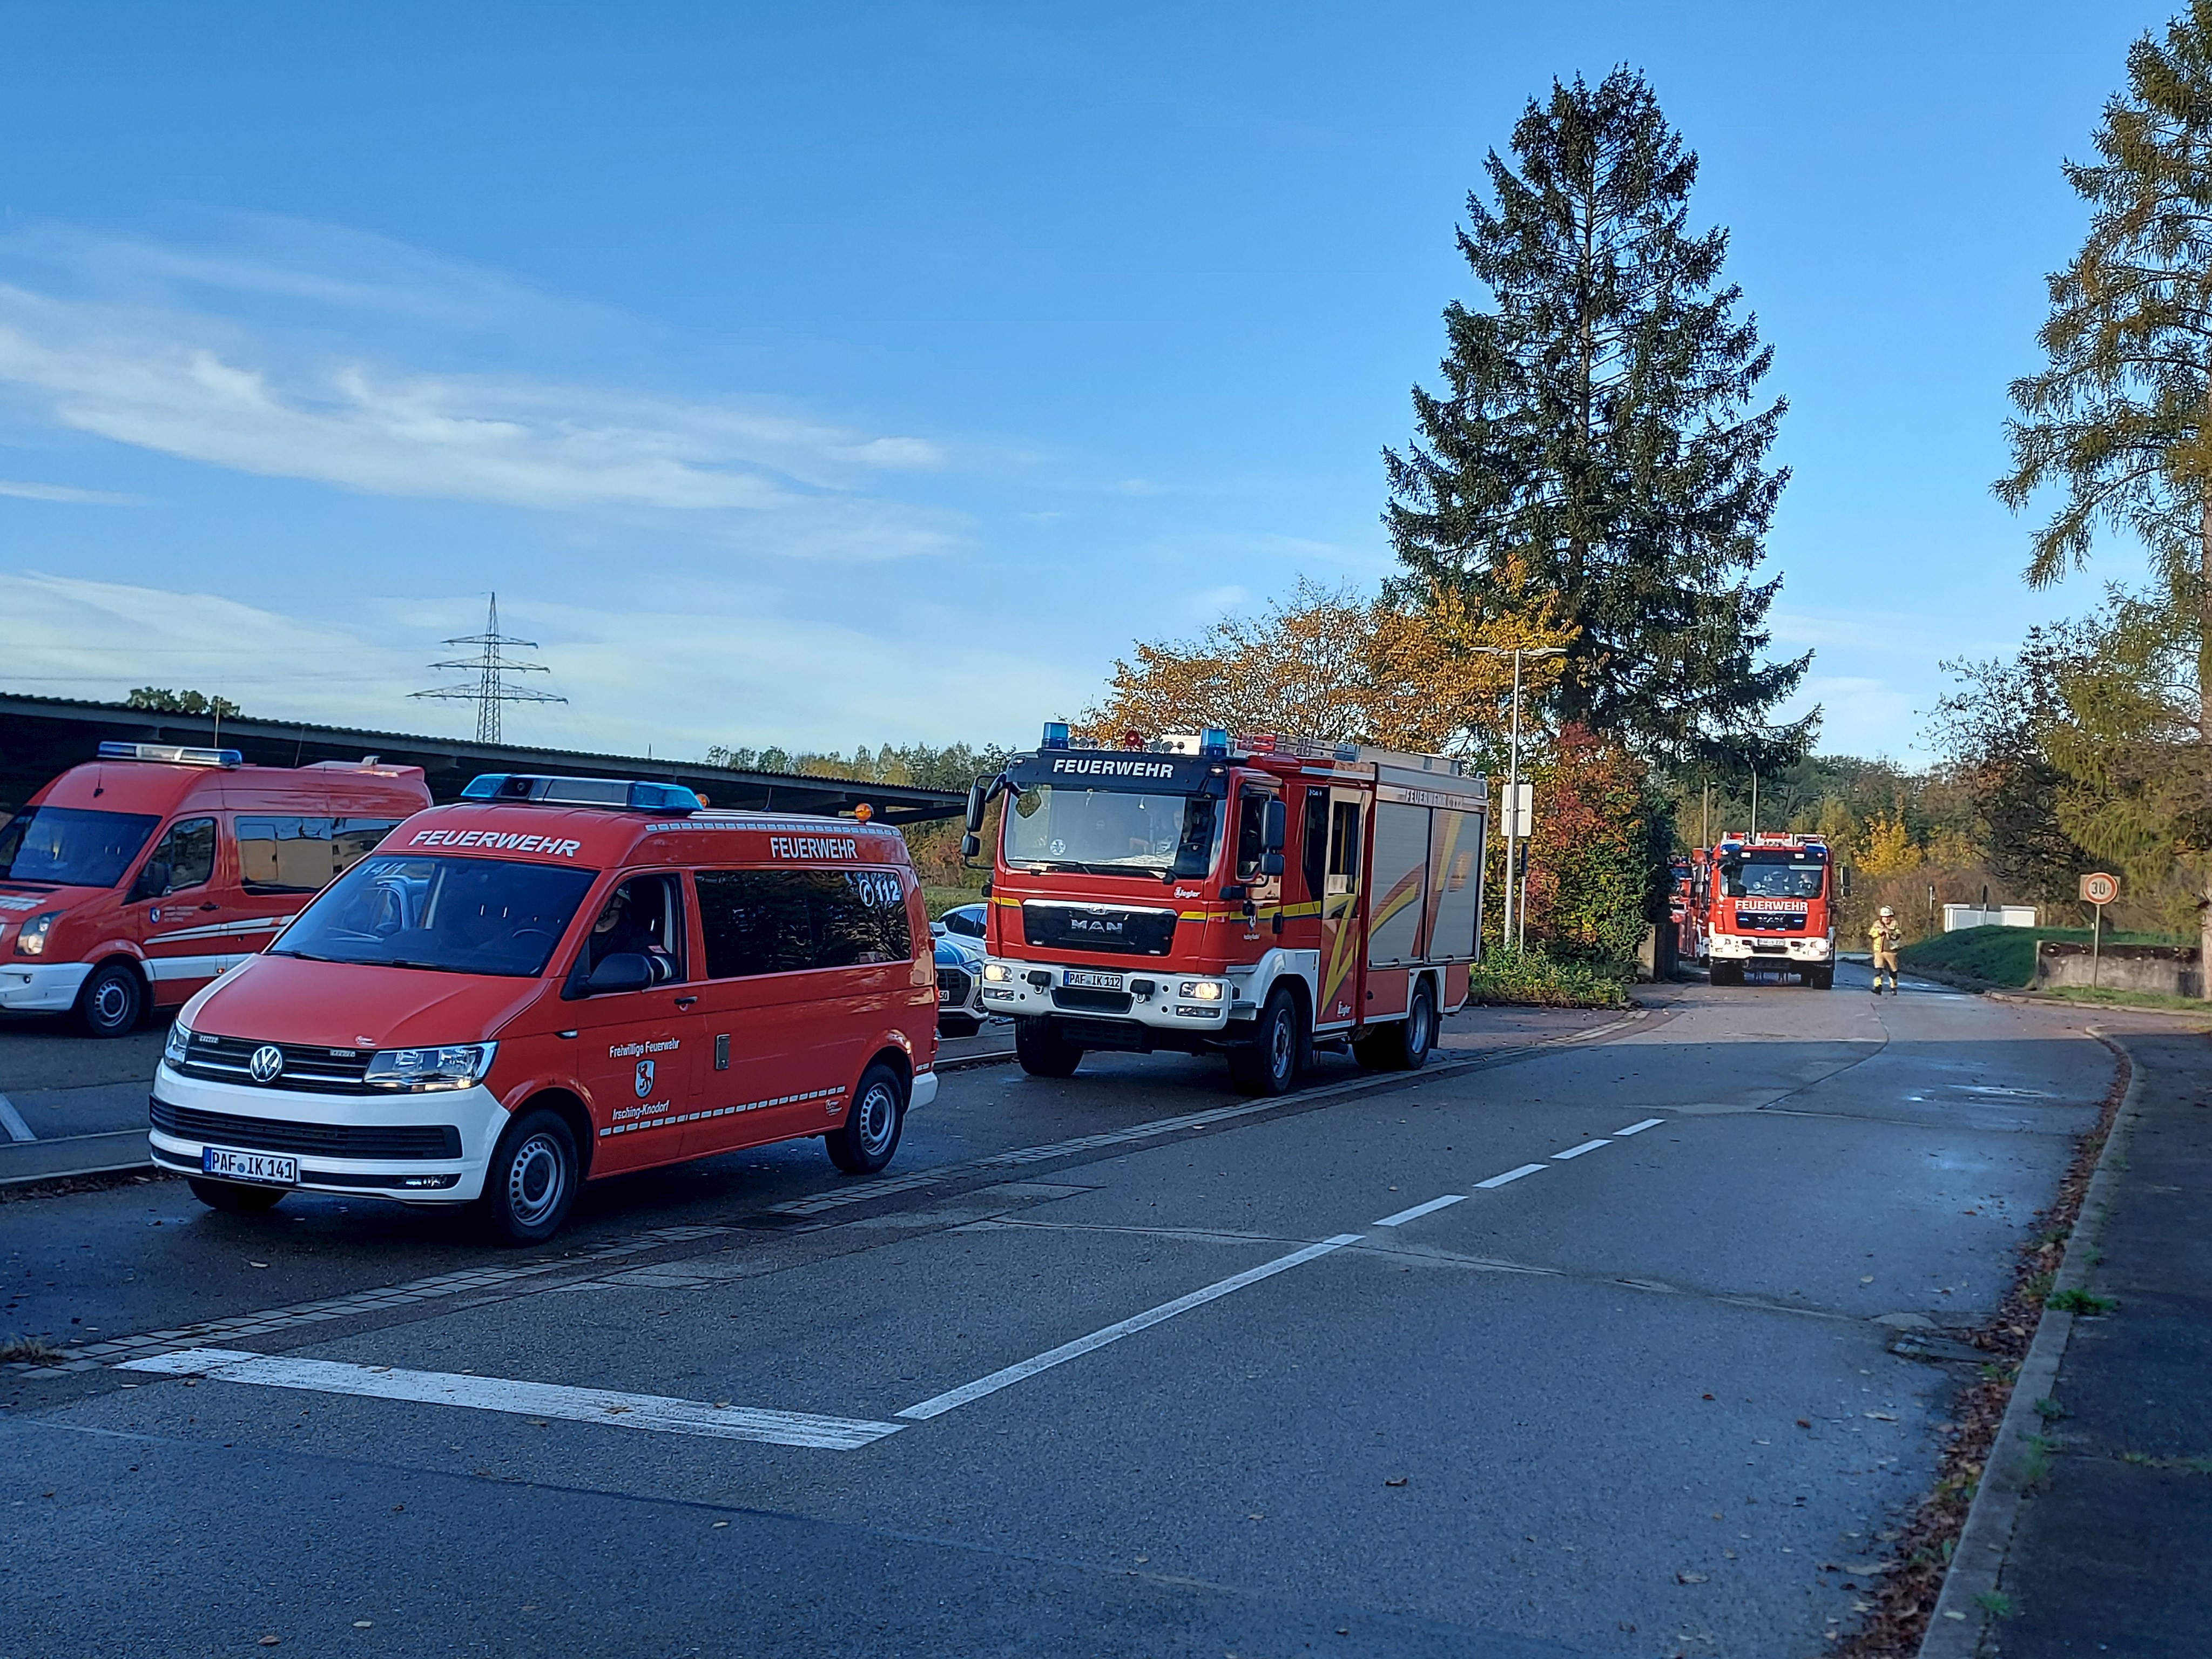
(685,1002)
(210,905)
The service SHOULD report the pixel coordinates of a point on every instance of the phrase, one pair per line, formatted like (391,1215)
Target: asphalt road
(1122,1364)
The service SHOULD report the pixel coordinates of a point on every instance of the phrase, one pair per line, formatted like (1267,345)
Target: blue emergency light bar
(619,793)
(172,753)
(1213,743)
(1056,735)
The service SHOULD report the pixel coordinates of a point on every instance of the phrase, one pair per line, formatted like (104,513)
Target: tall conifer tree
(1597,438)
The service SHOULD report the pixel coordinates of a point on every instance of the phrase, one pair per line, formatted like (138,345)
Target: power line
(490,690)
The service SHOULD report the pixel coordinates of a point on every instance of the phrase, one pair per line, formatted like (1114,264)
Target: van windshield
(456,915)
(69,847)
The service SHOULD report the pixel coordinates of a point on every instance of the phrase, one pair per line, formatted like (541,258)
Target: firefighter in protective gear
(1884,936)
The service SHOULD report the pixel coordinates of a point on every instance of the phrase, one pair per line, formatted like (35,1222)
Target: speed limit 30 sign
(2099,889)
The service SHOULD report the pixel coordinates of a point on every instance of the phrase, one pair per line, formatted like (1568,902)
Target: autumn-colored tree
(1325,663)
(1885,848)
(1599,853)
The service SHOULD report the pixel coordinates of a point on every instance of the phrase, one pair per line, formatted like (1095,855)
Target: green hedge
(1531,978)
(2003,956)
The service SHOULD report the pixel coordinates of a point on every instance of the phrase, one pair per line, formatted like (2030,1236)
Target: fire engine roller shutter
(1454,884)
(1399,864)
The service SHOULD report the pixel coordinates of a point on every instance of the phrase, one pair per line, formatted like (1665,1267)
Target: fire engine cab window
(644,917)
(69,846)
(188,851)
(1251,814)
(462,915)
(1770,878)
(783,921)
(1313,842)
(284,856)
(1111,831)
(1344,847)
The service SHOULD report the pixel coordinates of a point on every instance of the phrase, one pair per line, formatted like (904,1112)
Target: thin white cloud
(142,345)
(46,492)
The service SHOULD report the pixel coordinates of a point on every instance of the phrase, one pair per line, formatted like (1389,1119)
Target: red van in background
(553,980)
(133,880)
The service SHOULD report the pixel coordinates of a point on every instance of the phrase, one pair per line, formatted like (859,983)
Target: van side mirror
(625,971)
(1272,832)
(152,881)
(1844,879)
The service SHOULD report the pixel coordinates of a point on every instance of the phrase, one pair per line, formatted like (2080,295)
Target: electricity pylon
(490,689)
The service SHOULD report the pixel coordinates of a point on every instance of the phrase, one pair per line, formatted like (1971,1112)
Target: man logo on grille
(644,1078)
(267,1064)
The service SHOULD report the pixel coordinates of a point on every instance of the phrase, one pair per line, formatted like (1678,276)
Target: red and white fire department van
(134,880)
(1769,908)
(553,980)
(1253,898)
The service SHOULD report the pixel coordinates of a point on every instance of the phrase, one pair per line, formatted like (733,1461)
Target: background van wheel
(1404,1046)
(532,1181)
(1268,1064)
(864,1143)
(111,1001)
(232,1197)
(1041,1051)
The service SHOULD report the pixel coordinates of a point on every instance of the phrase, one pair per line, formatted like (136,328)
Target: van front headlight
(456,1065)
(32,941)
(179,1038)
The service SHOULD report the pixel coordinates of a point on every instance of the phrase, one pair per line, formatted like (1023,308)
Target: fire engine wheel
(869,1133)
(1821,979)
(1727,972)
(111,1001)
(232,1198)
(1268,1064)
(1404,1046)
(533,1179)
(1042,1052)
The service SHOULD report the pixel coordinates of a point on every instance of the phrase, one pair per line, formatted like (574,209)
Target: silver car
(959,986)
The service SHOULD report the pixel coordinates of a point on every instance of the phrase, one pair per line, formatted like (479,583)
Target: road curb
(72,1157)
(1962,1621)
(2028,999)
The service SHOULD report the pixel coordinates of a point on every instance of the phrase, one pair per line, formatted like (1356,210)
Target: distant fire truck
(1256,899)
(1768,907)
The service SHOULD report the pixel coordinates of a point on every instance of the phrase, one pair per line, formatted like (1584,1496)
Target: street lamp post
(1515,910)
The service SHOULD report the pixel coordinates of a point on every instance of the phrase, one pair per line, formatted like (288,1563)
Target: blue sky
(815,376)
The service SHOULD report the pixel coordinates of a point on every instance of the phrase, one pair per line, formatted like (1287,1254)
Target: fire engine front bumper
(1739,947)
(1192,1005)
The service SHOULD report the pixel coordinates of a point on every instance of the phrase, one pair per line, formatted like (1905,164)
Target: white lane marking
(12,1121)
(1576,1152)
(1510,1174)
(1420,1210)
(496,1394)
(938,1405)
(1639,1128)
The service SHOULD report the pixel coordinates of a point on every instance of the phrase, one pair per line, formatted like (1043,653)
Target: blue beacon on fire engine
(1056,735)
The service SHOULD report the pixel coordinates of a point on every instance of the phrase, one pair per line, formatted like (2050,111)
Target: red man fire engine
(1253,898)
(1769,908)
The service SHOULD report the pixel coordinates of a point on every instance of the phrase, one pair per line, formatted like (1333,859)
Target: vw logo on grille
(267,1064)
